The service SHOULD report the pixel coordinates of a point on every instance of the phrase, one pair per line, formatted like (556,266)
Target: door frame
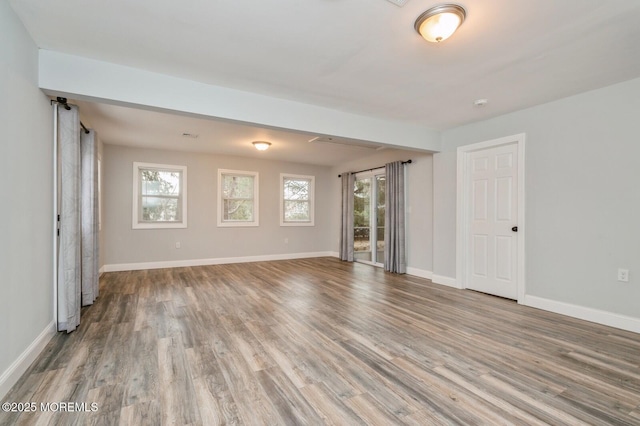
(463,208)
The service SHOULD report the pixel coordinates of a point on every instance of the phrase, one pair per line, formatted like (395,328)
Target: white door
(492,258)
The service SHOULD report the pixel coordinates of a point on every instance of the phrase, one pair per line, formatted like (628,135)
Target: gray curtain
(89,217)
(69,256)
(394,221)
(346,222)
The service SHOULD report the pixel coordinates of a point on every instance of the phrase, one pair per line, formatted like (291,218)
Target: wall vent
(398,3)
(338,141)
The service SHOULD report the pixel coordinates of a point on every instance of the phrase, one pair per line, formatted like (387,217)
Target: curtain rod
(375,168)
(63,101)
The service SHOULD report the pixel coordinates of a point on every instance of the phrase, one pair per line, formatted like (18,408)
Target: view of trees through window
(297,199)
(362,213)
(160,195)
(237,198)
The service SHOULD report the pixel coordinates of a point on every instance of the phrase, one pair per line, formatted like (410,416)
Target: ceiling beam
(87,79)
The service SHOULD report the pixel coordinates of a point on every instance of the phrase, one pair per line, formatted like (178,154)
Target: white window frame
(312,184)
(137,196)
(256,201)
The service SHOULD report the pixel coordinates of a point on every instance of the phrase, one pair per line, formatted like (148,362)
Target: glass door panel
(362,220)
(369,213)
(381,186)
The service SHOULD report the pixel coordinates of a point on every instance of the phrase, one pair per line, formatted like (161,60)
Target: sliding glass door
(368,211)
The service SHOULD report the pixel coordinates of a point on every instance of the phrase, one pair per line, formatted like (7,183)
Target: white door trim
(462,217)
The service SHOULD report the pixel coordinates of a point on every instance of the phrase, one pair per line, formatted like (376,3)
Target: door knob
(514,229)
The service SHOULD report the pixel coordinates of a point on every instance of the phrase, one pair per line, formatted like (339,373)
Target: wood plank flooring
(319,341)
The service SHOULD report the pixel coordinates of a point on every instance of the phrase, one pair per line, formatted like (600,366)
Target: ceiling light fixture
(440,22)
(261,145)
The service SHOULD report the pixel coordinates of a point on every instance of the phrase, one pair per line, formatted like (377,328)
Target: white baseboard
(215,261)
(101,270)
(422,273)
(11,376)
(588,314)
(444,280)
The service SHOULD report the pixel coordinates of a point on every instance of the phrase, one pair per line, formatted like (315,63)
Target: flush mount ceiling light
(440,22)
(261,145)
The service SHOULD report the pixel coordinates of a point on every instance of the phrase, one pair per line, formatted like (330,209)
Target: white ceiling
(360,56)
(117,125)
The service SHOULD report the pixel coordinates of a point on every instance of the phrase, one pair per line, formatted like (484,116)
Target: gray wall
(582,198)
(26,265)
(203,239)
(101,233)
(419,187)
(444,214)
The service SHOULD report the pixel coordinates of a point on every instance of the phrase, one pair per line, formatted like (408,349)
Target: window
(159,196)
(237,198)
(296,200)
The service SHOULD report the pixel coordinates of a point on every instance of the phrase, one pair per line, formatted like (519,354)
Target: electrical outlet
(286,241)
(178,244)
(623,275)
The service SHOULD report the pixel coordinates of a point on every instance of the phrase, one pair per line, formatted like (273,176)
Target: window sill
(159,225)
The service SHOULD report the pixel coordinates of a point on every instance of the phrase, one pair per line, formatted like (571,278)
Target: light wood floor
(320,341)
